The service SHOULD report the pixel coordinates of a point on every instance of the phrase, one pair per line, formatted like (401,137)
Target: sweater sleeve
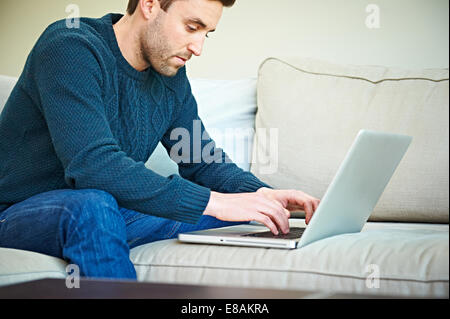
(69,76)
(198,158)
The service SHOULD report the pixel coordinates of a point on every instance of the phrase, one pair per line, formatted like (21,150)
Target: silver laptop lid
(357,186)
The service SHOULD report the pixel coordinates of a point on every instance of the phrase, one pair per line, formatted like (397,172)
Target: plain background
(411,33)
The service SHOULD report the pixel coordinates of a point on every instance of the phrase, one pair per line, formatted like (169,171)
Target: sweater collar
(176,83)
(110,19)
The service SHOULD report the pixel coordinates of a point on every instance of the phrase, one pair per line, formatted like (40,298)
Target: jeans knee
(93,204)
(98,196)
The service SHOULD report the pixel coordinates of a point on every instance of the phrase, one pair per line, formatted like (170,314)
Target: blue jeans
(89,229)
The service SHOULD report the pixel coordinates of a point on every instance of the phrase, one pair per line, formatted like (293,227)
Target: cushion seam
(33,272)
(353,77)
(292,271)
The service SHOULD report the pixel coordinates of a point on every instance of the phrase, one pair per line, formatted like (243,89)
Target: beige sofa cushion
(318,109)
(385,259)
(18,266)
(6,85)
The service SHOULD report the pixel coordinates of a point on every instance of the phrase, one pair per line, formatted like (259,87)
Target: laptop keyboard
(294,233)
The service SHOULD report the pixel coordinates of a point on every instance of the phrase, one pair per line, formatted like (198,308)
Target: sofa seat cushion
(409,259)
(18,266)
(317,109)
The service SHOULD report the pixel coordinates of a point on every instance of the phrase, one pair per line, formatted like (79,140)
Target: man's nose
(196,47)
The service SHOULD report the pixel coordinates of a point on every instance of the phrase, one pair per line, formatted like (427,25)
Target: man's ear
(147,7)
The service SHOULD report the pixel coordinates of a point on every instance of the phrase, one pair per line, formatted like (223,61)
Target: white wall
(412,33)
(22,22)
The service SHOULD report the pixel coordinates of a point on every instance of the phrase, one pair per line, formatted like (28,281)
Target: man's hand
(293,200)
(267,206)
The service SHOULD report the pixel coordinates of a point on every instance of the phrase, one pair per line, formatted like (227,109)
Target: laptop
(345,207)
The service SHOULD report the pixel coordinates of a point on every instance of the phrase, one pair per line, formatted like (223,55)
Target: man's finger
(288,213)
(308,211)
(267,221)
(276,212)
(315,203)
(279,218)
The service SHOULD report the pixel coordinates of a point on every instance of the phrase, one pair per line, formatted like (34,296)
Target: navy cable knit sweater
(80,116)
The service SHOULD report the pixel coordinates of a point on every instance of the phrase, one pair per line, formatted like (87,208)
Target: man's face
(171,38)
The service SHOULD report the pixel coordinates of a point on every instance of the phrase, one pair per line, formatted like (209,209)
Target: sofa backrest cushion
(227,109)
(318,109)
(6,85)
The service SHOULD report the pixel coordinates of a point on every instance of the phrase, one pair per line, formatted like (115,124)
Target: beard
(155,49)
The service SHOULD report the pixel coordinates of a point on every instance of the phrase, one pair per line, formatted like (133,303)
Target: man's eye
(193,29)
(190,28)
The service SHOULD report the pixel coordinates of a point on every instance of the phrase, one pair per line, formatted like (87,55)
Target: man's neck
(127,37)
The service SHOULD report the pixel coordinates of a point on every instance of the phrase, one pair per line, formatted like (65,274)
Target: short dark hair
(165,4)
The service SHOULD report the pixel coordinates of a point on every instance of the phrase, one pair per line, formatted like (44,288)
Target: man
(88,110)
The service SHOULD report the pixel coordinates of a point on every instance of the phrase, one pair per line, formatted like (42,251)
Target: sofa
(313,110)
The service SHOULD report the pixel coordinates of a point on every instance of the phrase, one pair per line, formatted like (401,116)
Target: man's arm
(267,206)
(69,74)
